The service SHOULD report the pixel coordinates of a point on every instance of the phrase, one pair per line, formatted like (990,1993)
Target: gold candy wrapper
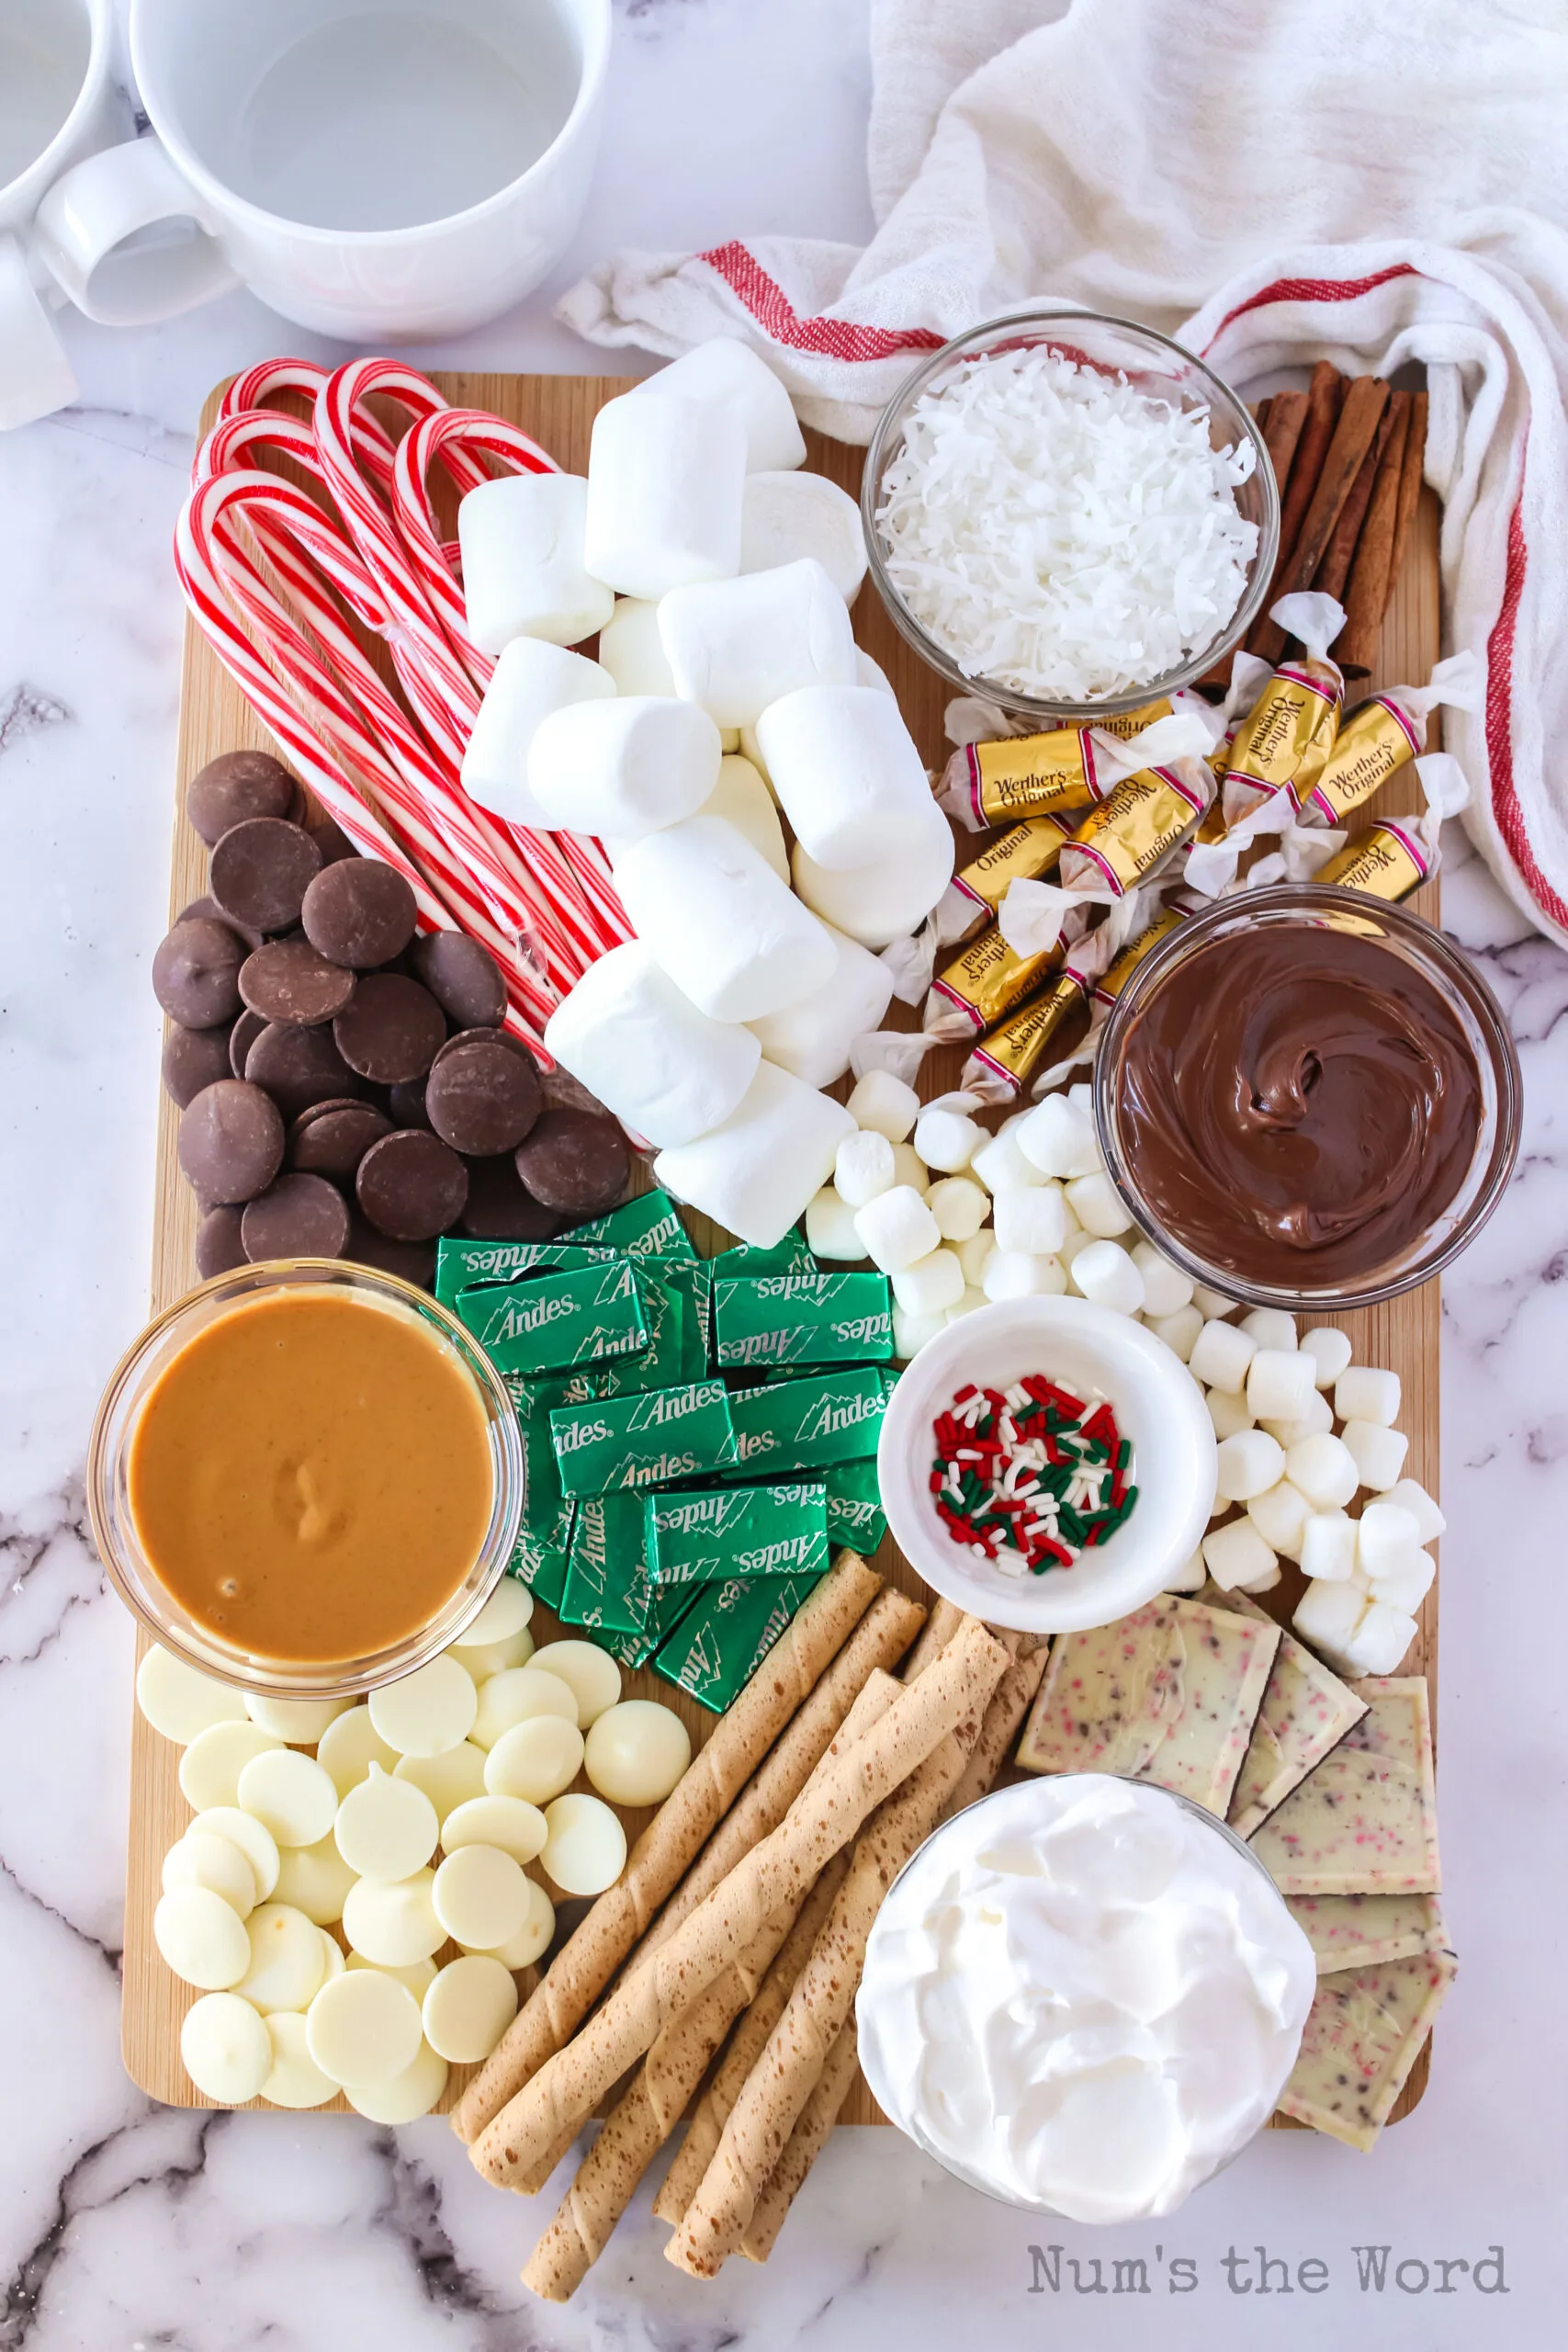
(1111,983)
(1132,722)
(981,984)
(1022,853)
(1288,735)
(1136,826)
(1022,776)
(1003,1062)
(1376,740)
(1388,863)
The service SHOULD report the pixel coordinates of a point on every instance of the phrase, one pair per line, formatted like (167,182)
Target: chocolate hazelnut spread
(1297,1105)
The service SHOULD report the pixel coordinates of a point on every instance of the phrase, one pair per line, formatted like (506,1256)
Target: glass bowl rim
(1453,972)
(987,689)
(507,1503)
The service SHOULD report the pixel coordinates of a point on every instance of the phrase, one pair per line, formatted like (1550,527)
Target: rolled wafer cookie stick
(881,1638)
(784,2076)
(588,1960)
(823,1818)
(1010,1701)
(940,1628)
(803,2147)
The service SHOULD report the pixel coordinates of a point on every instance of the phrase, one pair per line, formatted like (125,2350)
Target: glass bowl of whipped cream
(1083,1997)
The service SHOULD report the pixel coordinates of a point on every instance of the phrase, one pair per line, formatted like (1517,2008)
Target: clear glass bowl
(1155,366)
(114,1529)
(1447,969)
(884,2093)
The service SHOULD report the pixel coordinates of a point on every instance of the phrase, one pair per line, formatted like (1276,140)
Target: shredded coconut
(1060,532)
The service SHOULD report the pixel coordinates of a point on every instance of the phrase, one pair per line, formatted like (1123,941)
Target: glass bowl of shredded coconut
(1069,515)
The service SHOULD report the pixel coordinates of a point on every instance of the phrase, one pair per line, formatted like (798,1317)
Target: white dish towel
(1368,181)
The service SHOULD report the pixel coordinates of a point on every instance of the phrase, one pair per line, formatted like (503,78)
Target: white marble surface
(123,2225)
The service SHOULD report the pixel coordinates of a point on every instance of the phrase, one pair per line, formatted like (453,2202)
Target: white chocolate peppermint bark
(1224,1675)
(1363,2035)
(1360,1930)
(1366,1821)
(1306,1711)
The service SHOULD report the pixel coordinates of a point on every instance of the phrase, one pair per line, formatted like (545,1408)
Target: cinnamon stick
(1371,571)
(1410,480)
(1324,395)
(1338,556)
(1282,435)
(1353,435)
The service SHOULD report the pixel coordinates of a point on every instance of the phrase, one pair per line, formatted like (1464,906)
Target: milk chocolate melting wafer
(360,913)
(576,1162)
(238,785)
(195,972)
(287,980)
(670,1844)
(194,1059)
(261,869)
(817,1827)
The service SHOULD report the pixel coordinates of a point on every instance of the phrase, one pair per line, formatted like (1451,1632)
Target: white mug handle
(94,209)
(36,377)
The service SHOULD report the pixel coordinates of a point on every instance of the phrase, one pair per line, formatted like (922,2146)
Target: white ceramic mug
(377,169)
(56,106)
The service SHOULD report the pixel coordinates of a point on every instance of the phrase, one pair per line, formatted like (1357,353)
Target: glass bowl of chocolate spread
(1307,1099)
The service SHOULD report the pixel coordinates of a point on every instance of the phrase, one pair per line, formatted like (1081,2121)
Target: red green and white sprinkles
(1031,1478)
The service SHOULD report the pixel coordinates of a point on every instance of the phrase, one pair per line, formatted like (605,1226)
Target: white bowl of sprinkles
(1093,1356)
(1069,515)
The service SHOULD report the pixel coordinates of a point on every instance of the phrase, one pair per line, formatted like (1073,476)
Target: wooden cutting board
(559,411)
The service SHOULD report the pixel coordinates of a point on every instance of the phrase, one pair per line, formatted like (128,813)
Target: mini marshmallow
(1318,1416)
(1009,1274)
(897,1230)
(1104,1273)
(932,1285)
(624,766)
(890,896)
(1074,1240)
(1278,1386)
(1406,1584)
(784,517)
(756,1173)
(525,572)
(975,1254)
(881,1101)
(971,1300)
(1190,1576)
(1385,1535)
(1166,1287)
(863,1168)
(910,1169)
(1324,1469)
(1000,1166)
(1328,1615)
(1213,1301)
(1380,1641)
(1227,1407)
(1363,1393)
(1378,1453)
(633,1040)
(1412,1497)
(1097,1205)
(531,680)
(814,1038)
(1221,1357)
(720,921)
(1235,1555)
(1279,1514)
(1248,1465)
(960,1207)
(744,801)
(913,1332)
(1328,1547)
(1060,1140)
(725,373)
(632,650)
(739,646)
(665,479)
(1265,1582)
(948,1139)
(1329,1350)
(831,1227)
(842,762)
(1270,1326)
(1179,1331)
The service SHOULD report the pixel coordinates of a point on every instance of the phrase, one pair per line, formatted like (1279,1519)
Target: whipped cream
(1081,1996)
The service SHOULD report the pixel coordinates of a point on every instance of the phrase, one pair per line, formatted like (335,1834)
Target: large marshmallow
(632,650)
(525,572)
(665,478)
(625,766)
(846,773)
(531,680)
(759,1170)
(744,801)
(786,515)
(647,1052)
(716,915)
(727,373)
(813,1039)
(736,646)
(887,900)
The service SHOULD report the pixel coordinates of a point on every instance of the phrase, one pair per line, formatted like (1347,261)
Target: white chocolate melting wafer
(447,1781)
(198,1859)
(258,1846)
(407,2096)
(295,2080)
(467,2008)
(291,1794)
(636,1752)
(392,1924)
(300,1722)
(536,1760)
(481,1897)
(386,1829)
(225,2049)
(585,1851)
(287,1963)
(201,1938)
(516,1696)
(533,1938)
(179,1702)
(590,1673)
(363,2028)
(315,1879)
(349,1746)
(518,1827)
(429,1710)
(211,1765)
